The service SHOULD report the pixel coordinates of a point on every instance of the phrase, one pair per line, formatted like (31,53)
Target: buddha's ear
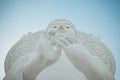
(75,32)
(47,31)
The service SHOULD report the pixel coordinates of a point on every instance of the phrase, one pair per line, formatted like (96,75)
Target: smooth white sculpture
(59,53)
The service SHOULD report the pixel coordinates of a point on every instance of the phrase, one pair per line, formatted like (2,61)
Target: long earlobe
(75,32)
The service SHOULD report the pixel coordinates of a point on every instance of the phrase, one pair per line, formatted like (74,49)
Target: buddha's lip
(61,31)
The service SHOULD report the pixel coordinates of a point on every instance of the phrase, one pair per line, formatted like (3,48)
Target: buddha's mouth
(61,31)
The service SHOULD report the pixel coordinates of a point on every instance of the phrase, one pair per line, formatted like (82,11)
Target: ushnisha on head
(61,27)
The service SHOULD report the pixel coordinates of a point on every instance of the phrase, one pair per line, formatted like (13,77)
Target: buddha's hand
(72,47)
(46,52)
(75,51)
(66,40)
(43,57)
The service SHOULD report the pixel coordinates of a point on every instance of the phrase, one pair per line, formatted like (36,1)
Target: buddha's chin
(60,34)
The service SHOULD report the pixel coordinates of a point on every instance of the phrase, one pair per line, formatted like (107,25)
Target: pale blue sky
(99,17)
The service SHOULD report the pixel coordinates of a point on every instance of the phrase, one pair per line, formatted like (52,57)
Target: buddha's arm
(44,57)
(92,67)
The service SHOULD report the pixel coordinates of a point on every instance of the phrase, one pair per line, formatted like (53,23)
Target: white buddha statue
(58,53)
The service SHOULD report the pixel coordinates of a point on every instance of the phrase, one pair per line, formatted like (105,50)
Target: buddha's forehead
(60,22)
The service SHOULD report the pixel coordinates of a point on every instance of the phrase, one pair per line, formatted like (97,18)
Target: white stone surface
(28,43)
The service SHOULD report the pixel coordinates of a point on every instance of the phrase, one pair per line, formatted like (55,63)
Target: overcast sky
(99,17)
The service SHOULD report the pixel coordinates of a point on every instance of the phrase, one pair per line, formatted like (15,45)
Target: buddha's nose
(61,27)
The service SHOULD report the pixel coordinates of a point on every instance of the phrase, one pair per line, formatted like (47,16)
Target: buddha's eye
(67,27)
(55,27)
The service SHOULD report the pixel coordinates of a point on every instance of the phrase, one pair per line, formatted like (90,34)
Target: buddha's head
(61,27)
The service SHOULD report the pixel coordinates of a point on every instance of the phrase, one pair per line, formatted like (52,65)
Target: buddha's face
(61,29)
